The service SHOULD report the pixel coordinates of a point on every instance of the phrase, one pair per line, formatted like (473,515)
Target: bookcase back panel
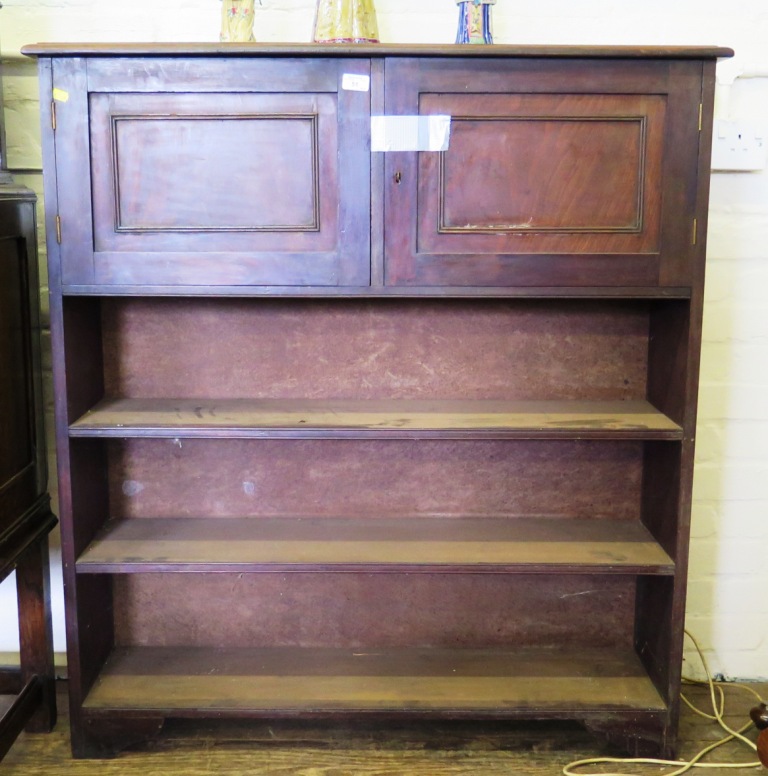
(385,349)
(359,478)
(359,610)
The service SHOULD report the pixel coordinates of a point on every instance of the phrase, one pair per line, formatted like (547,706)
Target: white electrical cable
(683,766)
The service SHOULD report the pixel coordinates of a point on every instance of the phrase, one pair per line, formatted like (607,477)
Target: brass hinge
(58,229)
(53,115)
(695,231)
(701,115)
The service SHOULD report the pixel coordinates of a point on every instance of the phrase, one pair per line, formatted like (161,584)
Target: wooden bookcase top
(369,50)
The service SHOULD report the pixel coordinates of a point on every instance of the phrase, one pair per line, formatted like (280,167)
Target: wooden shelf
(415,544)
(389,292)
(188,682)
(402,419)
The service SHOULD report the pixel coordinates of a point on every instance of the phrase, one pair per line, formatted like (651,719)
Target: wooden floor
(315,749)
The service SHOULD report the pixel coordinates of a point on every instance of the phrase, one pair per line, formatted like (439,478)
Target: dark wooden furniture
(762,747)
(25,514)
(759,715)
(391,434)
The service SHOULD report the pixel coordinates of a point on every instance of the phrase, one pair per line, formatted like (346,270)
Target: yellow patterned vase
(236,21)
(346,21)
(474,21)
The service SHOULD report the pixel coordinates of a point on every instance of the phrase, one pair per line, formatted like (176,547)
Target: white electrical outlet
(738,145)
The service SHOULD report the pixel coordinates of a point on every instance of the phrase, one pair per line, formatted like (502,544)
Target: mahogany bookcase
(390,434)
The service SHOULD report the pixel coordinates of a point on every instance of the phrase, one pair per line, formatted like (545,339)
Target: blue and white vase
(474,21)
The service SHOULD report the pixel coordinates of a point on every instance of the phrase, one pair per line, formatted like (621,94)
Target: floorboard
(371,749)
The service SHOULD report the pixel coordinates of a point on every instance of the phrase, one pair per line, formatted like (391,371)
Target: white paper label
(410,133)
(352,82)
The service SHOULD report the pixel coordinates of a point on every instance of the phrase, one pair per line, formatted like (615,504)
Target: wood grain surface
(410,544)
(359,419)
(359,50)
(196,682)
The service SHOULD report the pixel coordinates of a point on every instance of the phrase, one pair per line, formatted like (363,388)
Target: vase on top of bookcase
(237,21)
(345,21)
(474,21)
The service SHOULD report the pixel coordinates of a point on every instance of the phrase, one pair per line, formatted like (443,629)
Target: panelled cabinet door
(556,174)
(216,172)
(19,432)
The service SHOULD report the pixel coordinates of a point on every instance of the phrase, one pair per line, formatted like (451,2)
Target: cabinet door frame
(341,232)
(479,261)
(26,479)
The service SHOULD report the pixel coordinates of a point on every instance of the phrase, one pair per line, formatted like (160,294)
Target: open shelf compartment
(467,490)
(195,682)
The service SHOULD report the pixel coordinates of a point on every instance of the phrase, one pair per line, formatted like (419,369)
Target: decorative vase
(236,21)
(346,21)
(474,21)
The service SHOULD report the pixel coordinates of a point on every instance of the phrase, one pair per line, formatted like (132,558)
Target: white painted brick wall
(728,608)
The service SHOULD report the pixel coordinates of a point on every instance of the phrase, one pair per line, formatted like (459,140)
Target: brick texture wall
(728,610)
